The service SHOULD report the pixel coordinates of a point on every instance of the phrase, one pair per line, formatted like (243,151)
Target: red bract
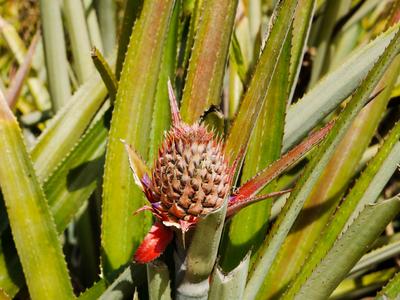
(154,243)
(191,177)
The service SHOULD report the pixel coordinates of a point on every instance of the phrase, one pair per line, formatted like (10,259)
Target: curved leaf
(314,169)
(131,121)
(32,225)
(348,249)
(207,61)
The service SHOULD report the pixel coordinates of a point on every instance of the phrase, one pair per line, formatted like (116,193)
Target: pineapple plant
(199,149)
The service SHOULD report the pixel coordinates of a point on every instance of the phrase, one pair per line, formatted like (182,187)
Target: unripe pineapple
(191,175)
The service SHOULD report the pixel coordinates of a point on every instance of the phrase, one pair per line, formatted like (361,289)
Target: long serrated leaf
(67,126)
(231,285)
(33,229)
(391,290)
(75,23)
(376,256)
(328,93)
(348,250)
(76,177)
(162,112)
(331,12)
(131,121)
(258,182)
(362,286)
(248,227)
(301,29)
(55,53)
(328,190)
(252,102)
(314,169)
(131,12)
(369,181)
(68,187)
(207,61)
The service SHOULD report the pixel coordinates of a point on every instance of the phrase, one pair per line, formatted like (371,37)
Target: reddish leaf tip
(153,244)
(175,114)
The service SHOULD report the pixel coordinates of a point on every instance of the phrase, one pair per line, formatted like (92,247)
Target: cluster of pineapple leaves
(76,76)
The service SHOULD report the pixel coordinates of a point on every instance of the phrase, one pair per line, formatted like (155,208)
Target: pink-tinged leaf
(175,114)
(19,78)
(154,243)
(254,185)
(236,203)
(138,166)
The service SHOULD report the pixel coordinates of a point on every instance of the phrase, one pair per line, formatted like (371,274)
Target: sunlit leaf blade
(77,29)
(55,53)
(332,11)
(248,227)
(131,121)
(67,189)
(301,28)
(314,169)
(158,281)
(131,13)
(210,50)
(391,290)
(77,176)
(67,126)
(231,285)
(364,285)
(31,222)
(327,94)
(193,8)
(162,112)
(107,14)
(364,9)
(237,59)
(348,249)
(252,102)
(327,192)
(368,186)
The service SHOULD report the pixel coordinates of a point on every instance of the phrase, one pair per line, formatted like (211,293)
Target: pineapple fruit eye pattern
(191,174)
